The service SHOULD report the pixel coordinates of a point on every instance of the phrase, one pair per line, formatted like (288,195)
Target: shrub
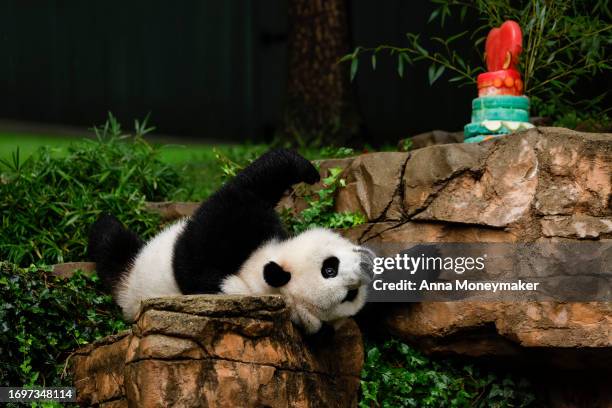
(43,318)
(320,210)
(47,203)
(396,375)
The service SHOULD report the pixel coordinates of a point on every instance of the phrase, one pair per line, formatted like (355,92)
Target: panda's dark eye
(330,267)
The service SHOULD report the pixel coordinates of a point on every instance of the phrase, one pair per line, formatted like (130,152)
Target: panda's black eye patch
(275,275)
(330,267)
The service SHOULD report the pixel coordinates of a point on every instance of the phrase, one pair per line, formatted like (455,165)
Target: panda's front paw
(306,320)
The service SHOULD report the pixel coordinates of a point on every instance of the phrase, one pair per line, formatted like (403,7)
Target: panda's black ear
(275,276)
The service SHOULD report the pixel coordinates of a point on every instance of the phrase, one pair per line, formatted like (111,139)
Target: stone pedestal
(219,351)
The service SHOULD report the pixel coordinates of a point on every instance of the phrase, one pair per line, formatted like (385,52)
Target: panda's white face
(322,276)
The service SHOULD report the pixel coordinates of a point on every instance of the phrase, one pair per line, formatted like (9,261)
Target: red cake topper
(502,51)
(503,47)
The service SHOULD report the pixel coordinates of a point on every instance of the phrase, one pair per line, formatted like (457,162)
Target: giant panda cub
(235,244)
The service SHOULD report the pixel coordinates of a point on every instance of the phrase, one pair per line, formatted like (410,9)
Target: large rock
(208,351)
(370,188)
(542,183)
(536,186)
(485,329)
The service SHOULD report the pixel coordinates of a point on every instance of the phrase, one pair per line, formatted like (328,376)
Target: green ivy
(43,318)
(396,375)
(320,211)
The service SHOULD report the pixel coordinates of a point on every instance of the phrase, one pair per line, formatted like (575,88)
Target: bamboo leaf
(434,73)
(433,15)
(354,66)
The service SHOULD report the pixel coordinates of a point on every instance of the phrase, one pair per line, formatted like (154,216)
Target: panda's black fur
(221,235)
(113,248)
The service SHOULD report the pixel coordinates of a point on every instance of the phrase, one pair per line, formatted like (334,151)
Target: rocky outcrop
(542,183)
(521,331)
(209,351)
(67,269)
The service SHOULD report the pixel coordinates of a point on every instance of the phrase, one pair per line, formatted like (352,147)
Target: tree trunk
(319,106)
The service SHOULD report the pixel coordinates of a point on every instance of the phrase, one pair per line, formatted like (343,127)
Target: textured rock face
(581,330)
(208,351)
(169,211)
(542,183)
(546,184)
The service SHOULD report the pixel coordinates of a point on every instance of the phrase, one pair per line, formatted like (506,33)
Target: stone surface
(67,269)
(208,351)
(539,185)
(170,211)
(545,182)
(510,329)
(370,185)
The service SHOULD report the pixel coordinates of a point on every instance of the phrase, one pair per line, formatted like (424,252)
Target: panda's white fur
(151,274)
(311,298)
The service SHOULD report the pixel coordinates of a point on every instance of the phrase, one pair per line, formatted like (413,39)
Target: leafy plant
(43,318)
(565,42)
(320,211)
(47,203)
(396,375)
(332,152)
(406,145)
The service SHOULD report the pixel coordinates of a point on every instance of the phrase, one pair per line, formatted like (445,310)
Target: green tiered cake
(501,107)
(497,115)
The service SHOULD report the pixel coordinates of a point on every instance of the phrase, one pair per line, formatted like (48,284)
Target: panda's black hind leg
(112,247)
(273,173)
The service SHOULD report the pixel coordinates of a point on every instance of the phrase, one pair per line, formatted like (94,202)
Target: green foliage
(231,162)
(43,318)
(320,211)
(47,203)
(396,375)
(406,145)
(565,43)
(332,152)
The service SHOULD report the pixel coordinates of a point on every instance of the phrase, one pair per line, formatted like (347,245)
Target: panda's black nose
(351,295)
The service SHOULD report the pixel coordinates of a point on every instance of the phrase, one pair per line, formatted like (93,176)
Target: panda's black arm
(273,173)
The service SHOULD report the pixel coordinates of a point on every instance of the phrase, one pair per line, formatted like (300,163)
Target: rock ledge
(208,351)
